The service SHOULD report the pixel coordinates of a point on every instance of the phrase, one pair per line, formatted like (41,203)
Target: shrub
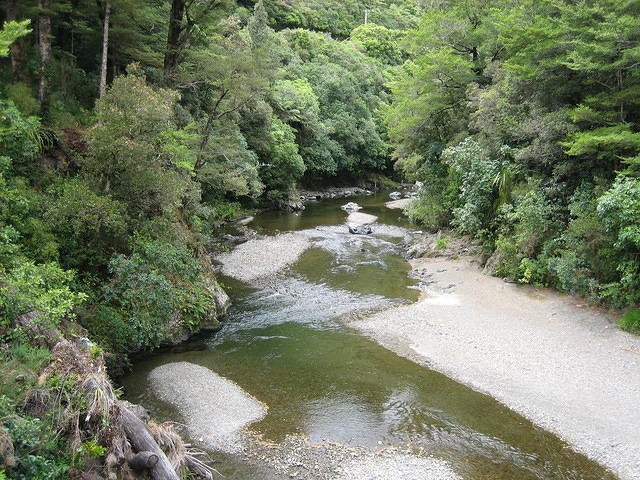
(618,208)
(159,287)
(90,226)
(39,452)
(45,288)
(630,321)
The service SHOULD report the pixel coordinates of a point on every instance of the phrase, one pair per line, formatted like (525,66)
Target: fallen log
(142,441)
(143,461)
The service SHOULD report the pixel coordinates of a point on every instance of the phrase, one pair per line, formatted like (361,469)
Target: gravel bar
(263,257)
(548,356)
(399,204)
(215,410)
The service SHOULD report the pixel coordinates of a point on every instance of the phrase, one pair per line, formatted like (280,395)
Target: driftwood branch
(143,461)
(143,442)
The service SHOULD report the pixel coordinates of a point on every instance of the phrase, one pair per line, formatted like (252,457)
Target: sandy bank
(215,409)
(549,357)
(399,204)
(263,257)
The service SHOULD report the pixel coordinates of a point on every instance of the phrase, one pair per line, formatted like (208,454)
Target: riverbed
(336,399)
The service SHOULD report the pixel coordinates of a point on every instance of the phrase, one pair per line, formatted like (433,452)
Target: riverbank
(551,358)
(299,458)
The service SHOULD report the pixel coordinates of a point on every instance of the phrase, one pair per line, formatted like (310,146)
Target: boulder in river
(395,195)
(351,207)
(359,218)
(360,229)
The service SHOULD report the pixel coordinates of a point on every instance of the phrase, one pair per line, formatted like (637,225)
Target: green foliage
(23,97)
(441,243)
(379,42)
(340,17)
(21,365)
(434,204)
(39,451)
(286,165)
(133,121)
(630,321)
(477,173)
(619,210)
(90,226)
(92,449)
(46,289)
(157,289)
(21,138)
(11,31)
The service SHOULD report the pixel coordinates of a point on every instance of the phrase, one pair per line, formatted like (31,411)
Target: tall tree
(176,27)
(105,48)
(184,18)
(45,49)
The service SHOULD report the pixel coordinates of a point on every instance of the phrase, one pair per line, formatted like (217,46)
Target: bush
(618,209)
(477,173)
(39,451)
(630,321)
(433,206)
(44,288)
(90,226)
(158,289)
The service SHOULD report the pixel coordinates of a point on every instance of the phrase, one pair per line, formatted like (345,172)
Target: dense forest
(131,130)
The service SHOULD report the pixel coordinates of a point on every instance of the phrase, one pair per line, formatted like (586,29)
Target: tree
(105,48)
(12,31)
(44,42)
(184,18)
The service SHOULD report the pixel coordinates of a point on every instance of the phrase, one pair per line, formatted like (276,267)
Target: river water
(288,345)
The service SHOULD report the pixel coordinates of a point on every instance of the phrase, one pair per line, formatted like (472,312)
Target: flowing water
(287,344)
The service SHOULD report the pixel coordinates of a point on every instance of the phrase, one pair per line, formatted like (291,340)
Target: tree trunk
(142,441)
(176,18)
(105,49)
(44,45)
(143,461)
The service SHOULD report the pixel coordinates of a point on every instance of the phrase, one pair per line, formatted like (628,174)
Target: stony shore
(548,356)
(297,458)
(263,257)
(215,409)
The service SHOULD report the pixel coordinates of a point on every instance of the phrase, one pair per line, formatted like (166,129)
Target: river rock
(359,218)
(395,195)
(360,229)
(245,220)
(351,207)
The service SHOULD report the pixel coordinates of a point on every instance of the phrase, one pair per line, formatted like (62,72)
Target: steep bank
(560,363)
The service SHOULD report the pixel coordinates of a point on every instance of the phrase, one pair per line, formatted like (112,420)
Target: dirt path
(551,358)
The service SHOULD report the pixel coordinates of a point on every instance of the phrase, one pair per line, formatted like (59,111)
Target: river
(288,345)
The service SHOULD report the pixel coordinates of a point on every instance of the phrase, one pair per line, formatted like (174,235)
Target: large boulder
(395,195)
(360,229)
(351,207)
(359,218)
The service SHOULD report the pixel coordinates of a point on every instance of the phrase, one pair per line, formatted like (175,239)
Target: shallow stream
(288,345)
